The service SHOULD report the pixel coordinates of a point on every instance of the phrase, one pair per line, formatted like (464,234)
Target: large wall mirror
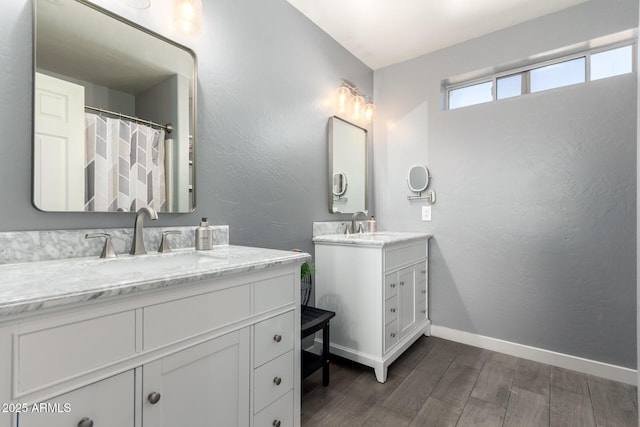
(114,113)
(347,167)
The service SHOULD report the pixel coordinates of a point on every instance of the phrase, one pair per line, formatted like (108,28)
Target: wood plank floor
(440,383)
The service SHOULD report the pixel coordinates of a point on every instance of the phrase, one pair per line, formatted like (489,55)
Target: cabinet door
(109,402)
(406,279)
(204,385)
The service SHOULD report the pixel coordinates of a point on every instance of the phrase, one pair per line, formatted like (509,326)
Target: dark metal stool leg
(325,355)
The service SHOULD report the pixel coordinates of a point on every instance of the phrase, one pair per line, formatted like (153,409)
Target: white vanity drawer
(421,291)
(421,311)
(274,293)
(390,335)
(404,255)
(421,273)
(390,285)
(390,310)
(273,337)
(273,380)
(47,355)
(107,403)
(279,411)
(173,321)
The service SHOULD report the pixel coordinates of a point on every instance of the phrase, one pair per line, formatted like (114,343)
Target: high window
(565,71)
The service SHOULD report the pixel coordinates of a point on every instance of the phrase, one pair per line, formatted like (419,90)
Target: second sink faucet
(353,220)
(137,246)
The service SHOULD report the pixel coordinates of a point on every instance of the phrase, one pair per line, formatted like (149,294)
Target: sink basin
(158,263)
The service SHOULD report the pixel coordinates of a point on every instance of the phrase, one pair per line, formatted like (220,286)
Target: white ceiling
(79,42)
(385,32)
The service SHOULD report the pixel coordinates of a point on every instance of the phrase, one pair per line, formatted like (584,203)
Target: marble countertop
(31,286)
(380,238)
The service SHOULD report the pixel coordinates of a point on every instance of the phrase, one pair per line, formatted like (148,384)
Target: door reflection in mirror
(105,91)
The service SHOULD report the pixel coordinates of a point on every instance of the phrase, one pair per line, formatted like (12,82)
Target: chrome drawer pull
(277,338)
(277,380)
(85,422)
(154,397)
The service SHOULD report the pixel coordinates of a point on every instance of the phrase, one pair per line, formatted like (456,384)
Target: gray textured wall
(535,231)
(266,75)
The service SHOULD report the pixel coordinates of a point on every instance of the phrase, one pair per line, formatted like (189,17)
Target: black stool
(314,319)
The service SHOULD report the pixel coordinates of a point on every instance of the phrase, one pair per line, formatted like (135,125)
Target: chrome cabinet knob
(154,397)
(393,334)
(85,422)
(277,337)
(423,311)
(402,283)
(423,271)
(276,423)
(393,285)
(424,291)
(277,380)
(393,310)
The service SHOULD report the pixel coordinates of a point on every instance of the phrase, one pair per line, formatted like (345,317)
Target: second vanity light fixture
(187,16)
(351,103)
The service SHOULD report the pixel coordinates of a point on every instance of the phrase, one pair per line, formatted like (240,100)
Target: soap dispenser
(372,225)
(204,236)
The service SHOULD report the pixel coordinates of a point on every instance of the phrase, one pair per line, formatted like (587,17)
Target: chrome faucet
(137,246)
(353,220)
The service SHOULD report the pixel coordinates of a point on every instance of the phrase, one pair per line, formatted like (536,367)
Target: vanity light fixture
(187,17)
(350,102)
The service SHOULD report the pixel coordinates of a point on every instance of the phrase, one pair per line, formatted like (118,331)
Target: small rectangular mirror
(114,113)
(347,167)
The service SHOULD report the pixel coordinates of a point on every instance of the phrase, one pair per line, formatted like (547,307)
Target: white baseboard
(591,367)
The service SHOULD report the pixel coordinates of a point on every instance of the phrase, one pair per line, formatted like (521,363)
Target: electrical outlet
(426,213)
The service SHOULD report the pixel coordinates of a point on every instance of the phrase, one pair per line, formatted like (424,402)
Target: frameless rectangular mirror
(113,114)
(347,167)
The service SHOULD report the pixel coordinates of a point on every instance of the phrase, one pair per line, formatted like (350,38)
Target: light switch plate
(426,213)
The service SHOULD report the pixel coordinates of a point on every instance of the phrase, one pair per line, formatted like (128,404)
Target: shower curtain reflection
(124,165)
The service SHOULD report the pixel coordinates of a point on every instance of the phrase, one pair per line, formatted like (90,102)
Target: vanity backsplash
(329,227)
(29,246)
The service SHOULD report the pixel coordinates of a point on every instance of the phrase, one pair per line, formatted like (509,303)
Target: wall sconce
(353,104)
(187,17)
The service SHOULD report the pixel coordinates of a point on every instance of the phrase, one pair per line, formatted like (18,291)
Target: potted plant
(306,270)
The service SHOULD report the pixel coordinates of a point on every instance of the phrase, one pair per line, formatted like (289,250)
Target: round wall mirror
(339,184)
(418,178)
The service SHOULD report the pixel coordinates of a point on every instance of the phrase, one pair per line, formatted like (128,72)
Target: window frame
(524,72)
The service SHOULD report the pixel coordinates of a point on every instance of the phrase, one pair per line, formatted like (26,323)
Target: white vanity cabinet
(378,290)
(217,352)
(109,402)
(207,384)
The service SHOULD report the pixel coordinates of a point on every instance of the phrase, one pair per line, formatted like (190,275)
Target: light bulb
(343,99)
(357,107)
(369,112)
